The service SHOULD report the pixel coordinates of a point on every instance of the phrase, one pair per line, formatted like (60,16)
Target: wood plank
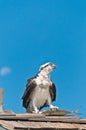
(43,118)
(1,100)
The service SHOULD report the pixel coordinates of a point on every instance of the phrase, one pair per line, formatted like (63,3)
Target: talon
(54,108)
(35,110)
(40,112)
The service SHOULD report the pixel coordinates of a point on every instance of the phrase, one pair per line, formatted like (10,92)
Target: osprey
(40,90)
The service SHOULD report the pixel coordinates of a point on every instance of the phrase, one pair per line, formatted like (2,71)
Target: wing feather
(52,90)
(30,86)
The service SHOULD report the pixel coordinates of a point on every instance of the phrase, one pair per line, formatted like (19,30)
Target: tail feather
(76,111)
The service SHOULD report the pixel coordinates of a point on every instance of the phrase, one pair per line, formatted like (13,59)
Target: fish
(59,112)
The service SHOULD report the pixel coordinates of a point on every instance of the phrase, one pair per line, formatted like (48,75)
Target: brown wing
(52,90)
(30,86)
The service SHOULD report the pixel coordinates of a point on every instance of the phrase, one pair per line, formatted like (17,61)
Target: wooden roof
(24,121)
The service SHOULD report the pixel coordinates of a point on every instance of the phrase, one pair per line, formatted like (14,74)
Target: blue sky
(35,32)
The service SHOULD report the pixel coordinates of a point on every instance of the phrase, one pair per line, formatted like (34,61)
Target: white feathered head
(48,67)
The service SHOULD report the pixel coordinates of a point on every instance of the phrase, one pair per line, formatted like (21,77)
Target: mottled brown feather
(30,86)
(52,90)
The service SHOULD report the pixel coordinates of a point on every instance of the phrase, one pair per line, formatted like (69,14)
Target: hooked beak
(54,66)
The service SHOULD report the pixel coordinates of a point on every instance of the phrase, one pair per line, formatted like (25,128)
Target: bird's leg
(35,110)
(50,105)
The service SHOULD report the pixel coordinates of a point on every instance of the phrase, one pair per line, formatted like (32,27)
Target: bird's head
(48,67)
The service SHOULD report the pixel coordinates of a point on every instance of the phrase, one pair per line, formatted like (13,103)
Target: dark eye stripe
(48,64)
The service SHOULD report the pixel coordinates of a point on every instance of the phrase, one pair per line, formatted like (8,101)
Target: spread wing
(30,86)
(52,90)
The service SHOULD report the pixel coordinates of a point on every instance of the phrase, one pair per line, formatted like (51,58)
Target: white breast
(41,93)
